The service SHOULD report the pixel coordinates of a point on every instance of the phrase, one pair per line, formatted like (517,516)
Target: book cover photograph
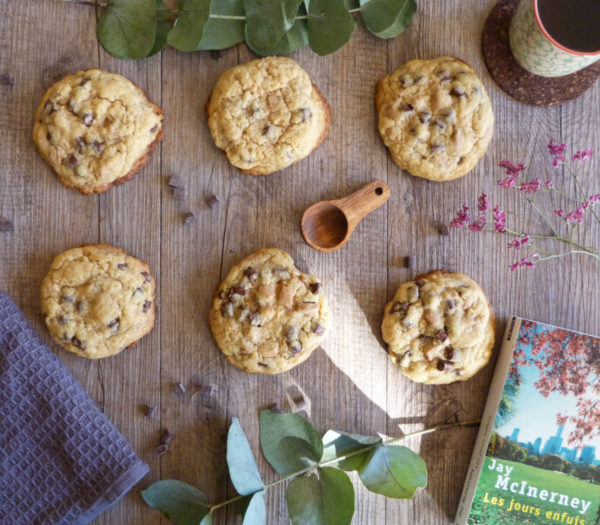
(539,462)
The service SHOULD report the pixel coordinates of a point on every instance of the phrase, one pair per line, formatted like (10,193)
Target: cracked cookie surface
(98,300)
(267,316)
(96,129)
(267,115)
(439,328)
(435,117)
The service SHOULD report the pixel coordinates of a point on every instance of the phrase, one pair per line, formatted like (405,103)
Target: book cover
(537,455)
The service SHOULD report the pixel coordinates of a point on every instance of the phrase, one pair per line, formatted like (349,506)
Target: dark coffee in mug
(575,24)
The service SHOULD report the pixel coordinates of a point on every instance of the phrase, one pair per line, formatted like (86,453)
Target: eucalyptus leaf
(330,26)
(295,38)
(189,26)
(178,501)
(336,444)
(207,520)
(256,513)
(222,33)
(388,18)
(240,460)
(327,500)
(163,26)
(394,471)
(127,28)
(268,20)
(289,442)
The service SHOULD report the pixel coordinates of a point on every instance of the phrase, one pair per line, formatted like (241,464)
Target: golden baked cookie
(266,115)
(435,117)
(267,316)
(96,129)
(439,328)
(98,300)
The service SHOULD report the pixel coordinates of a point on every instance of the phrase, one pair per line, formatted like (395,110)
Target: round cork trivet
(516,81)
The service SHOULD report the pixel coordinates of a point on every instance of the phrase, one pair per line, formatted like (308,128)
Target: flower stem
(570,252)
(356,452)
(85,2)
(541,215)
(582,189)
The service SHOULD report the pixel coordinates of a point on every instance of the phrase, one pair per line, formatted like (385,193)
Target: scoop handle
(359,204)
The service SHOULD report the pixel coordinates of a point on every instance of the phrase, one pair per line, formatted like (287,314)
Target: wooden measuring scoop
(327,225)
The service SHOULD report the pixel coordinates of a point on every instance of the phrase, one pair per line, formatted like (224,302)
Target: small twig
(85,2)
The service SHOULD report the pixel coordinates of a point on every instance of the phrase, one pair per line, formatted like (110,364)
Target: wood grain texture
(350,382)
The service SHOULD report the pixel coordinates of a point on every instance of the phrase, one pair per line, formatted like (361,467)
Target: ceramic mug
(537,51)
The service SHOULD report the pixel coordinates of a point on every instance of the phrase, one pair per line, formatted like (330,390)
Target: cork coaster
(516,81)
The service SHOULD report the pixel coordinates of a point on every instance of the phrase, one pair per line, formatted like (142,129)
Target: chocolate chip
(263,364)
(88,118)
(443,365)
(476,91)
(448,113)
(440,124)
(147,277)
(442,229)
(154,128)
(315,287)
(162,449)
(306,114)
(424,116)
(444,76)
(50,107)
(421,283)
(114,325)
(81,306)
(227,309)
(98,146)
(434,148)
(189,218)
(254,319)
(71,161)
(175,181)
(61,319)
(84,81)
(122,266)
(319,329)
(150,411)
(413,131)
(179,388)
(146,306)
(409,261)
(399,307)
(251,273)
(179,194)
(212,201)
(7,80)
(418,78)
(166,437)
(67,299)
(49,136)
(407,108)
(457,92)
(442,336)
(451,304)
(296,347)
(79,344)
(459,161)
(80,144)
(448,352)
(237,290)
(265,130)
(6,226)
(291,334)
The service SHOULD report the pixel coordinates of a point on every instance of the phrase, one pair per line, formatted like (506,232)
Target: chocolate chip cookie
(439,328)
(435,117)
(96,129)
(267,316)
(98,300)
(266,115)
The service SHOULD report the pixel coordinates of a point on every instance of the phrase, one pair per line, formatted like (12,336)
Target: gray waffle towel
(61,460)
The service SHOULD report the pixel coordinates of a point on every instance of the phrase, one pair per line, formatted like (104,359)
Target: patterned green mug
(537,51)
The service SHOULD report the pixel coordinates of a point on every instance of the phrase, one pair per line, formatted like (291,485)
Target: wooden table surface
(350,382)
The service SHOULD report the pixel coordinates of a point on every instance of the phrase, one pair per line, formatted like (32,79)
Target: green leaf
(330,26)
(394,471)
(256,513)
(178,501)
(207,520)
(126,28)
(222,33)
(268,20)
(388,18)
(240,460)
(163,26)
(336,444)
(327,500)
(295,38)
(289,442)
(189,26)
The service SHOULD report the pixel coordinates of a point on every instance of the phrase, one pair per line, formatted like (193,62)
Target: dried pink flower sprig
(570,219)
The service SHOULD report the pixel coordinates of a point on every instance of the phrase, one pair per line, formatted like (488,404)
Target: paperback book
(537,455)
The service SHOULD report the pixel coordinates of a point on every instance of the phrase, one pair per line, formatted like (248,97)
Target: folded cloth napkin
(61,460)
